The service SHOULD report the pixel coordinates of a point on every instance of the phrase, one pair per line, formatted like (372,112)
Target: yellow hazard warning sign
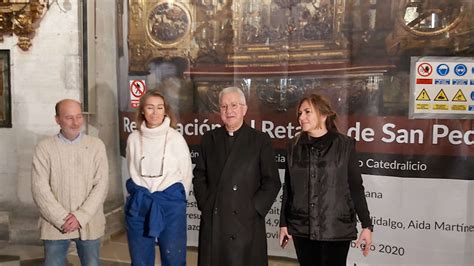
(423,106)
(423,96)
(440,107)
(441,96)
(459,107)
(459,97)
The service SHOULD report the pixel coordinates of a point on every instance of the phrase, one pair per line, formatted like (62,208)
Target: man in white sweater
(69,182)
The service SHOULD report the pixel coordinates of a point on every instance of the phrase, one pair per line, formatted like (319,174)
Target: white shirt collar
(67,141)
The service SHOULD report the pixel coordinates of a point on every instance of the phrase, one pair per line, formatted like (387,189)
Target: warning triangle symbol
(423,96)
(441,96)
(459,97)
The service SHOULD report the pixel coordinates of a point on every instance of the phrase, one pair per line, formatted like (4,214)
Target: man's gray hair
(233,90)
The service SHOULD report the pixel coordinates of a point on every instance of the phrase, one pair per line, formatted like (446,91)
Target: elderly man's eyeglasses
(231,106)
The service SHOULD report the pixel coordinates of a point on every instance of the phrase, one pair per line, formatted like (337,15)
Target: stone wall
(51,70)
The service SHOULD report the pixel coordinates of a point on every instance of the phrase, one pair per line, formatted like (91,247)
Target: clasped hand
(71,224)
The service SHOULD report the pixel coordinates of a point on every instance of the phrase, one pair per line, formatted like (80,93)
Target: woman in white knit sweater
(160,170)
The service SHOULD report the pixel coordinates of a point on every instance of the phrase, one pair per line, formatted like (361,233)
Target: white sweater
(177,162)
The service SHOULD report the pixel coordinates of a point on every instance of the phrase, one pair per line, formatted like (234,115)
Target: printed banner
(417,176)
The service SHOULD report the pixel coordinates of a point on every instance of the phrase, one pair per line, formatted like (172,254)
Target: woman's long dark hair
(322,106)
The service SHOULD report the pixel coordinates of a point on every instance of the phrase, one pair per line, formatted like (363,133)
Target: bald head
(69,118)
(65,102)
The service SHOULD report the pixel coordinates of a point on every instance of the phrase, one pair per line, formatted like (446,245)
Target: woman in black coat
(323,190)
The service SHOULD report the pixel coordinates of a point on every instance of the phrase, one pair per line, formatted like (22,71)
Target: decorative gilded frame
(5,90)
(142,46)
(332,49)
(452,37)
(21,18)
(400,19)
(173,8)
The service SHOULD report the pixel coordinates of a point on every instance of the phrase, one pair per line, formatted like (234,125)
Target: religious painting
(5,92)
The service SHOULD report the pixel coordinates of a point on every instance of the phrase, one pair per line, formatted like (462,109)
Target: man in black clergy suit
(235,183)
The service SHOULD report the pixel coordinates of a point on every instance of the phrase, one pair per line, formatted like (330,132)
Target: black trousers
(321,253)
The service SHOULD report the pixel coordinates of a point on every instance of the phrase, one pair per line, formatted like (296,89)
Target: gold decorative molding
(158,29)
(442,25)
(237,33)
(20,17)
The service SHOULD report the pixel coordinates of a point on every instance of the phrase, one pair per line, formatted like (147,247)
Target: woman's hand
(284,237)
(365,238)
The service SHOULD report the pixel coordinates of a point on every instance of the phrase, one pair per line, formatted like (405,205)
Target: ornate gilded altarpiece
(279,50)
(237,33)
(275,50)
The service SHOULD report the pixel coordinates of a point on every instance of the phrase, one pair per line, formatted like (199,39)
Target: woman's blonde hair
(140,113)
